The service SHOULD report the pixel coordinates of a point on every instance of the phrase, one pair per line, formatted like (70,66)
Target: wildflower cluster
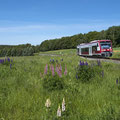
(55,61)
(85,72)
(58,69)
(99,63)
(83,63)
(52,61)
(53,76)
(6,61)
(60,109)
(118,80)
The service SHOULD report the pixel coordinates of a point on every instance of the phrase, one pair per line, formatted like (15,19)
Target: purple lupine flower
(60,73)
(117,81)
(2,61)
(50,60)
(86,63)
(52,68)
(11,60)
(45,70)
(62,59)
(76,77)
(60,67)
(53,60)
(80,62)
(102,74)
(56,68)
(83,63)
(65,73)
(10,66)
(8,59)
(59,70)
(98,63)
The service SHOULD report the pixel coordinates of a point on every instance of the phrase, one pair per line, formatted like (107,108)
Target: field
(23,91)
(116,53)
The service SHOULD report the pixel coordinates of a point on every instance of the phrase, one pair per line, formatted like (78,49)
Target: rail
(103,58)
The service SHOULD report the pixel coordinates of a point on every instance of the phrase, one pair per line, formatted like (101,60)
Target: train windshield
(105,45)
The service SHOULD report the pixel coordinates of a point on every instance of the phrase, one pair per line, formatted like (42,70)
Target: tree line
(18,50)
(112,33)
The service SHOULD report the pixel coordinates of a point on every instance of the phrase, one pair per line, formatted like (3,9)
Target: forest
(68,42)
(112,33)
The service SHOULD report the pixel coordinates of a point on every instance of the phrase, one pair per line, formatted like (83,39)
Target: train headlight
(98,48)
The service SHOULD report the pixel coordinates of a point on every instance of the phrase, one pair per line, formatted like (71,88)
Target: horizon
(33,21)
(49,39)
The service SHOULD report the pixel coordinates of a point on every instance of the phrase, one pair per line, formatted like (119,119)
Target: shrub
(85,72)
(54,77)
(53,82)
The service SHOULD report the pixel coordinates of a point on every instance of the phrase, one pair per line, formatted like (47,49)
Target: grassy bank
(23,96)
(116,53)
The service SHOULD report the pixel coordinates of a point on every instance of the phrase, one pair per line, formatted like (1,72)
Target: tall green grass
(22,96)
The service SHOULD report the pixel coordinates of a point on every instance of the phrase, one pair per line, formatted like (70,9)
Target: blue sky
(33,21)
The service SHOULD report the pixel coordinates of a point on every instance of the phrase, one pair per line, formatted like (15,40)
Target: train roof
(99,40)
(92,42)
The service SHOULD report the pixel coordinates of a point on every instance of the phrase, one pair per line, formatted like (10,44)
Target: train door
(90,50)
(77,51)
(80,51)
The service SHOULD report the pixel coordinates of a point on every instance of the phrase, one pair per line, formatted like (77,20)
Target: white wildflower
(63,105)
(59,112)
(48,103)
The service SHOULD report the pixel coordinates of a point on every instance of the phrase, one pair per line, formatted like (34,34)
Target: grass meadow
(116,52)
(23,96)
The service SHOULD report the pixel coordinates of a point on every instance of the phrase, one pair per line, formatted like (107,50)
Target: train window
(94,48)
(84,50)
(97,45)
(105,45)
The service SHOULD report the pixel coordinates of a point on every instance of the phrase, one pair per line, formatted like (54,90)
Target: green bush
(85,72)
(53,82)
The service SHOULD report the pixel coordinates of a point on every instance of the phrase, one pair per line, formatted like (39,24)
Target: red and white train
(101,48)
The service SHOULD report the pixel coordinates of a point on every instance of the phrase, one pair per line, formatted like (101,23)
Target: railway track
(116,60)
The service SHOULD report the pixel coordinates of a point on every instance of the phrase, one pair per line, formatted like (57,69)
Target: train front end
(106,48)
